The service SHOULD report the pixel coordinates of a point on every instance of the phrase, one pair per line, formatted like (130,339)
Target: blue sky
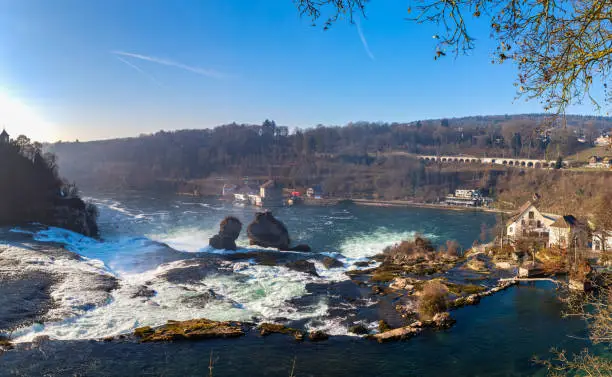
(100,69)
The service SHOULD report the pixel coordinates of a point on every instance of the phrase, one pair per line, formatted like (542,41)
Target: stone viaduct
(508,161)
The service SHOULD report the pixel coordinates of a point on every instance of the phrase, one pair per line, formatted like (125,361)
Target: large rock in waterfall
(267,231)
(229,230)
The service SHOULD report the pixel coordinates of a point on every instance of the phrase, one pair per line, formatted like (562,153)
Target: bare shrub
(453,249)
(433,299)
(408,251)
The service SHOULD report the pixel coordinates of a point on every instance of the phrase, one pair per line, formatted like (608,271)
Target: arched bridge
(518,162)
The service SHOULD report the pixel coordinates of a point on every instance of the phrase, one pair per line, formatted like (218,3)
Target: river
(161,242)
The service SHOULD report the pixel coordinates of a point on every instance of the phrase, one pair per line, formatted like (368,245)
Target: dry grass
(584,155)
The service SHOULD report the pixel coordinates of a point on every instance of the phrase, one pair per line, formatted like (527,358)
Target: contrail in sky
(200,71)
(364,41)
(141,71)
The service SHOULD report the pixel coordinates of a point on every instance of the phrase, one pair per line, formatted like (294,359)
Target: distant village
(273,194)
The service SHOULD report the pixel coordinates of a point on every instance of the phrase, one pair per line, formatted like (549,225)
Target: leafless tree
(561,47)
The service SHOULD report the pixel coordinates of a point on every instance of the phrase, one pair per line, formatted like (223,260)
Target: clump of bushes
(408,251)
(463,289)
(420,249)
(419,256)
(433,299)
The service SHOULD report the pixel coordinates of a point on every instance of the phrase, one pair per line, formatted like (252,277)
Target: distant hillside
(576,121)
(355,160)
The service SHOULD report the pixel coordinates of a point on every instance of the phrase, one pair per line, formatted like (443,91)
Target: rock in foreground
(266,329)
(401,333)
(317,336)
(359,329)
(301,248)
(30,278)
(330,262)
(5,344)
(190,330)
(303,266)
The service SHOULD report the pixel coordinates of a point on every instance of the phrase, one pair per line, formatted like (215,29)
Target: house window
(531,215)
(523,222)
(539,224)
(511,230)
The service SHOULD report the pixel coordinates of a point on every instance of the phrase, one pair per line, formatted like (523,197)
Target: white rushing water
(250,292)
(190,239)
(364,245)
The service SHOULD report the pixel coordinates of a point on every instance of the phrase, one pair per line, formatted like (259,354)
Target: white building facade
(529,222)
(562,232)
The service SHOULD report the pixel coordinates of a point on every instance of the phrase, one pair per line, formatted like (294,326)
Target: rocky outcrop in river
(76,215)
(268,231)
(229,230)
(192,330)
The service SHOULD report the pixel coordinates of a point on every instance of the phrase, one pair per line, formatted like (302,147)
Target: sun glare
(20,119)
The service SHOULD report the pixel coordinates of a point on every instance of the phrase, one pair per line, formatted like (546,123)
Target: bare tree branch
(560,47)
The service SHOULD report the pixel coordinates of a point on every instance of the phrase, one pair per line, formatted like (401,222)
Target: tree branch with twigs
(562,48)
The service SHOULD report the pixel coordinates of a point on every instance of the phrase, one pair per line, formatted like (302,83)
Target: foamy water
(190,239)
(251,293)
(248,292)
(254,293)
(362,246)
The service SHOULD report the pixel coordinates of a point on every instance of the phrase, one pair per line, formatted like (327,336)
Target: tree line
(260,150)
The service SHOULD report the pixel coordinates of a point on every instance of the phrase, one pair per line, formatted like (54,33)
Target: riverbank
(406,203)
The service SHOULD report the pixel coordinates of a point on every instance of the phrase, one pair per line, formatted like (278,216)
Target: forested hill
(576,121)
(354,159)
(31,191)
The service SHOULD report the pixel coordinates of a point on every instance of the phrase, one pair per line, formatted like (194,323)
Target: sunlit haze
(18,119)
